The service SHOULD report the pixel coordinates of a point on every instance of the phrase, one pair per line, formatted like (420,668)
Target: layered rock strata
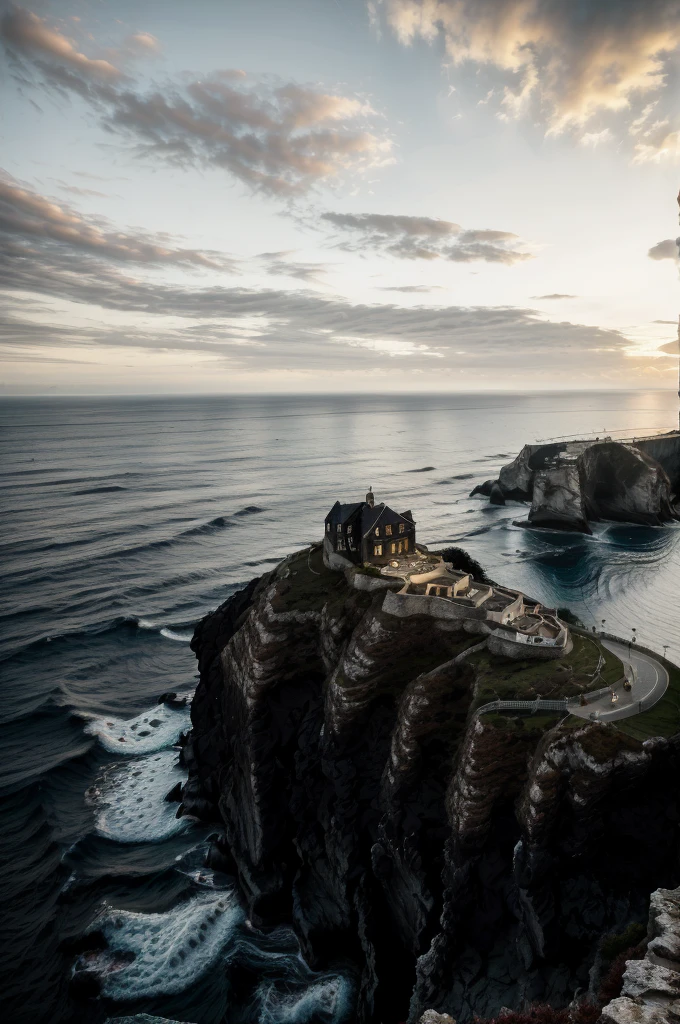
(460,864)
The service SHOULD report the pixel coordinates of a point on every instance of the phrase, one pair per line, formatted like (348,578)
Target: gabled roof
(369,522)
(341,513)
(368,515)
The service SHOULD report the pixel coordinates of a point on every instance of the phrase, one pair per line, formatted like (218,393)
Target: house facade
(366,532)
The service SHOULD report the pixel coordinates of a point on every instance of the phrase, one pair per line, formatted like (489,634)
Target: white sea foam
(185,638)
(172,950)
(152,730)
(329,998)
(130,799)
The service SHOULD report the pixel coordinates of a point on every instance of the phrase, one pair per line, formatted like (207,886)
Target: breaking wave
(329,998)
(171,951)
(148,732)
(130,799)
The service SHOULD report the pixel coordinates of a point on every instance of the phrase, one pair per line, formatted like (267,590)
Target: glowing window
(401,527)
(377,531)
(377,549)
(388,531)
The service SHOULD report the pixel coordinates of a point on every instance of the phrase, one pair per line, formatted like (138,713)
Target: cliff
(459,863)
(572,483)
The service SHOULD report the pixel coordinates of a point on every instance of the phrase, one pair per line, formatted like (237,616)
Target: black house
(366,532)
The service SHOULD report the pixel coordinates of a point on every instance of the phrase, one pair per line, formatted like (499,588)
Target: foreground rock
(572,483)
(651,986)
(457,864)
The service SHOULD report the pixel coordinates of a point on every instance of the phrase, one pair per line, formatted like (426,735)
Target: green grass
(661,720)
(507,679)
(309,584)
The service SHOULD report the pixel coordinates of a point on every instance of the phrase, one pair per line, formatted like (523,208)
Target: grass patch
(308,584)
(507,679)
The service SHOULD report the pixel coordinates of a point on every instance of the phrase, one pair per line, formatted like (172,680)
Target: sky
(338,195)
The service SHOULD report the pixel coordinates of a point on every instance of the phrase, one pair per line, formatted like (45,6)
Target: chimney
(370,497)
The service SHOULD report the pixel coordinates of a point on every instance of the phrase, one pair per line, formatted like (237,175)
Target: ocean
(127,519)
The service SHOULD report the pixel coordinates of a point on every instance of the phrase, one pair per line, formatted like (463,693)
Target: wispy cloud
(28,219)
(425,238)
(276,137)
(555,295)
(563,63)
(51,254)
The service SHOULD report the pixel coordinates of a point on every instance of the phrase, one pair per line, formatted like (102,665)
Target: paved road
(650,684)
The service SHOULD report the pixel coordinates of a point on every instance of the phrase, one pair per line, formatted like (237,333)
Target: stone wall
(499,644)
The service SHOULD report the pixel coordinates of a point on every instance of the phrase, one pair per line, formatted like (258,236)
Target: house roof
(367,515)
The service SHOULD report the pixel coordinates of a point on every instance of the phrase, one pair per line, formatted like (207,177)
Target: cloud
(278,264)
(76,190)
(143,43)
(28,219)
(391,224)
(25,32)
(665,250)
(566,63)
(75,284)
(272,329)
(412,289)
(555,295)
(425,238)
(277,137)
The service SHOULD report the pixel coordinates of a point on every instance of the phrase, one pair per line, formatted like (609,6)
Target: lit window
(406,544)
(388,531)
(377,549)
(328,527)
(339,527)
(377,531)
(349,528)
(402,527)
(341,544)
(393,547)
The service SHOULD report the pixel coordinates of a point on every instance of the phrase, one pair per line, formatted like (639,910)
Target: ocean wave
(130,799)
(219,523)
(102,490)
(249,510)
(183,637)
(170,951)
(151,731)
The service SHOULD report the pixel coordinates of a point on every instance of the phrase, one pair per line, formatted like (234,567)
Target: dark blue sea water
(124,521)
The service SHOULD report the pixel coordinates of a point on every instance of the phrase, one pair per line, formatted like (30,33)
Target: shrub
(464,562)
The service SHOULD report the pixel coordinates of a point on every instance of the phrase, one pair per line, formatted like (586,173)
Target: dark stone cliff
(461,863)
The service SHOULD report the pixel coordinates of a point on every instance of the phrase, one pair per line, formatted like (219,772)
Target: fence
(523,705)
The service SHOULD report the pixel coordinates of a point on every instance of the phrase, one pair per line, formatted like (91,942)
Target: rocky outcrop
(461,864)
(570,484)
(651,986)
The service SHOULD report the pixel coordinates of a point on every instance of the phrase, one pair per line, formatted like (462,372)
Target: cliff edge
(452,861)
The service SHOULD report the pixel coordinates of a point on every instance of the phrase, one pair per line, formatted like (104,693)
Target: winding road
(650,681)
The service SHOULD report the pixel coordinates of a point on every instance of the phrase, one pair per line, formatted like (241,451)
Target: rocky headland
(573,483)
(453,862)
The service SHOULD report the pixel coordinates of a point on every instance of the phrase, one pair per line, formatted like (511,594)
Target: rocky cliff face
(570,484)
(461,864)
